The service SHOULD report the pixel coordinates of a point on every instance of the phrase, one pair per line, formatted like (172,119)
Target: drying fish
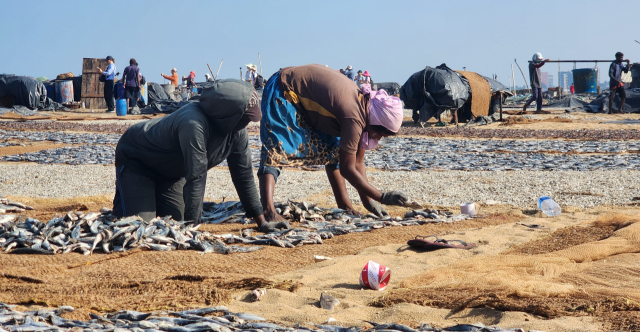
(189,321)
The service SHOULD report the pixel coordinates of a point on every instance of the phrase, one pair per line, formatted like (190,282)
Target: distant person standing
(615,81)
(365,78)
(536,78)
(250,75)
(173,79)
(109,74)
(131,83)
(191,80)
(572,89)
(359,77)
(350,73)
(208,78)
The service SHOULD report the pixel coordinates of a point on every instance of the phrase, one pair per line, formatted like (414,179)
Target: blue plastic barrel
(121,107)
(64,91)
(118,90)
(585,80)
(51,91)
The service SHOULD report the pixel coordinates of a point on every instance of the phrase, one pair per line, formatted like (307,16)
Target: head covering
(537,57)
(192,74)
(207,75)
(110,58)
(252,113)
(349,67)
(366,73)
(225,103)
(249,65)
(365,88)
(174,70)
(384,110)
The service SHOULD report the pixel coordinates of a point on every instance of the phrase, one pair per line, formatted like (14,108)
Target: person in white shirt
(251,74)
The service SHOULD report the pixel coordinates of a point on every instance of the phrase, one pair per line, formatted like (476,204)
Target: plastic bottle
(548,206)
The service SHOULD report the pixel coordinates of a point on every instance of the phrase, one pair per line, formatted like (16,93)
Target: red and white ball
(375,276)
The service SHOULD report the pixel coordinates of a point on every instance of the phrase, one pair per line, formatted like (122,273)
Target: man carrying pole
(536,86)
(615,81)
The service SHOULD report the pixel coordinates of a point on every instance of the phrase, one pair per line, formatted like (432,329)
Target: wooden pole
(218,72)
(577,61)
(210,71)
(455,116)
(260,62)
(521,72)
(513,78)
(500,92)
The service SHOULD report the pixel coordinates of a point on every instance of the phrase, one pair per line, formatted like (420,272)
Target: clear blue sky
(391,39)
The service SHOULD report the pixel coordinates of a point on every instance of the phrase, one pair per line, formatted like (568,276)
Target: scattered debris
(328,302)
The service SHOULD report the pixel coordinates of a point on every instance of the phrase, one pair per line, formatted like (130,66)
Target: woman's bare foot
(273,216)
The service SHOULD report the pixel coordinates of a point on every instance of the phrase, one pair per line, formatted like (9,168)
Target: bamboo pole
(513,78)
(218,72)
(260,62)
(525,79)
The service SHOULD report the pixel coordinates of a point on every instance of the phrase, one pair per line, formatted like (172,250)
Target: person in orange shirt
(173,78)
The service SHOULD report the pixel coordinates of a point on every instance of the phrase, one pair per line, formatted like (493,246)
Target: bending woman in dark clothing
(161,164)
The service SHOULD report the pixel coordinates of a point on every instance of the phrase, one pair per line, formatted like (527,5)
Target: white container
(468,209)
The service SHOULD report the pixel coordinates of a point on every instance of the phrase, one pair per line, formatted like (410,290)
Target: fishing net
(580,279)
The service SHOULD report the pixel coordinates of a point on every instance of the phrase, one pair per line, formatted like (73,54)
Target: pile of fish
(58,125)
(7,206)
(87,232)
(394,153)
(77,155)
(61,137)
(316,223)
(189,321)
(577,134)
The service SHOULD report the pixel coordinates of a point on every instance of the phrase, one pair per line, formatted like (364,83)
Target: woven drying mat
(480,93)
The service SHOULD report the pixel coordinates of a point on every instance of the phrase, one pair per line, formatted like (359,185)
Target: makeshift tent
(431,91)
(23,91)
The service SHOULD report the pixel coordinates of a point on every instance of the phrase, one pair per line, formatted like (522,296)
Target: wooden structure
(92,88)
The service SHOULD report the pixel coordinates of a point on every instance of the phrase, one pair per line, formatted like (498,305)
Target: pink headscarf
(384,110)
(365,88)
(192,74)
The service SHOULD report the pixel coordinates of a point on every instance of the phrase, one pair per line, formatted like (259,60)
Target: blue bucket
(64,91)
(121,107)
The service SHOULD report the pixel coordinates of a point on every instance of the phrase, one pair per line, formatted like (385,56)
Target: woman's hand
(375,208)
(394,198)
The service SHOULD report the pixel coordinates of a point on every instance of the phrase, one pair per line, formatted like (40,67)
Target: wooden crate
(92,88)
